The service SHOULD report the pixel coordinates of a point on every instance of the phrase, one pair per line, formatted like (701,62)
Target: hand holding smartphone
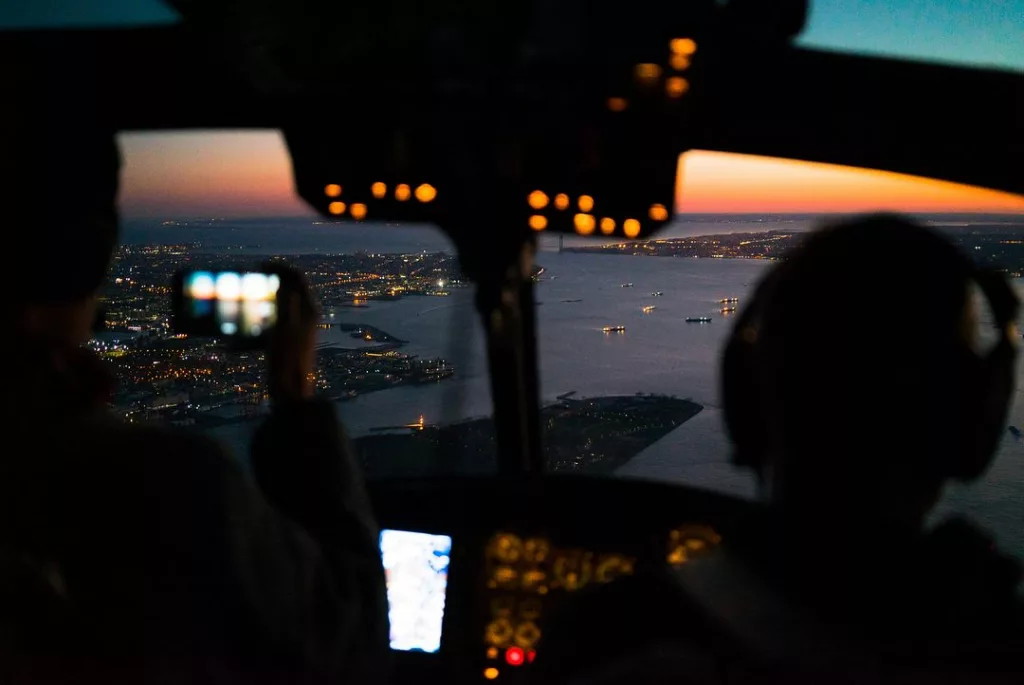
(240,306)
(272,309)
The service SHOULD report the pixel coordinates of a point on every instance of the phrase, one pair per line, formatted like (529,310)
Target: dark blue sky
(983,32)
(988,32)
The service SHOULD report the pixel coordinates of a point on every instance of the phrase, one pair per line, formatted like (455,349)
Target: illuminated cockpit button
(535,550)
(677,556)
(425,192)
(533,578)
(573,570)
(506,548)
(515,656)
(683,46)
(647,73)
(499,632)
(689,541)
(617,104)
(537,199)
(658,212)
(584,223)
(505,576)
(611,567)
(527,634)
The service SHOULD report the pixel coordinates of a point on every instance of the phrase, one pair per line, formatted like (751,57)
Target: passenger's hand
(291,354)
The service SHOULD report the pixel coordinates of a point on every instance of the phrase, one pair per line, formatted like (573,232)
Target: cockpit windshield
(538,261)
(401,349)
(629,332)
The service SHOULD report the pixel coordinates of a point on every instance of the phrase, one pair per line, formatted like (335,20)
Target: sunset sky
(722,182)
(248,173)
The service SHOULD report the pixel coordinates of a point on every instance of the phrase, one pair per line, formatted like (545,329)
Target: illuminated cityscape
(180,379)
(200,382)
(995,245)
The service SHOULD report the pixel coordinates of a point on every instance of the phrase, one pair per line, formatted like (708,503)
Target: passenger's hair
(860,343)
(59,170)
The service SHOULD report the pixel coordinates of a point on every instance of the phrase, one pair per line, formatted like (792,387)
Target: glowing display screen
(416,569)
(230,303)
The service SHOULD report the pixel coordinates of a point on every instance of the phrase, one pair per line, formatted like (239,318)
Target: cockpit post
(502,269)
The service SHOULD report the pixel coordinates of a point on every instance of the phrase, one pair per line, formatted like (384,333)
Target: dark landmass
(594,436)
(365,332)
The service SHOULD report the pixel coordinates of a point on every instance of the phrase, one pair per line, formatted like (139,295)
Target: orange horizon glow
(208,174)
(722,182)
(249,174)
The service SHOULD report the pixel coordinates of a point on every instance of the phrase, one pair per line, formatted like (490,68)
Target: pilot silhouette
(134,554)
(855,388)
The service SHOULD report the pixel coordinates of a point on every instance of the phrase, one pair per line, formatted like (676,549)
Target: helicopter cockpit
(510,127)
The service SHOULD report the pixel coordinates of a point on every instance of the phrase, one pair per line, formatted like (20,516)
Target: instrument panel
(527,577)
(521,557)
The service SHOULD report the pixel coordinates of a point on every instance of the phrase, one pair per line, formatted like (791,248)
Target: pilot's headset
(986,380)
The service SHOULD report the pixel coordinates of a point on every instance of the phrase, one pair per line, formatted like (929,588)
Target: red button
(514,656)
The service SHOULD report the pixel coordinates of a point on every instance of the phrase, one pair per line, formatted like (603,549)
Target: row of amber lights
(647,74)
(403,192)
(584,222)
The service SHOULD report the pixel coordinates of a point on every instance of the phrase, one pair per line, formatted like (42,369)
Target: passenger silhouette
(855,388)
(135,554)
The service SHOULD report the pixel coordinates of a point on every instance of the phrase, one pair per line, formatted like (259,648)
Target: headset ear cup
(986,392)
(741,375)
(741,403)
(988,383)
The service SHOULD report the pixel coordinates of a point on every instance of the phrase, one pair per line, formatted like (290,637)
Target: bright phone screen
(230,303)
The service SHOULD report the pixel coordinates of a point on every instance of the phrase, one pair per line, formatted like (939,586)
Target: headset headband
(997,291)
(1004,302)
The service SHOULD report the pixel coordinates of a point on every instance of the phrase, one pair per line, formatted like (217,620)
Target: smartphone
(239,305)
